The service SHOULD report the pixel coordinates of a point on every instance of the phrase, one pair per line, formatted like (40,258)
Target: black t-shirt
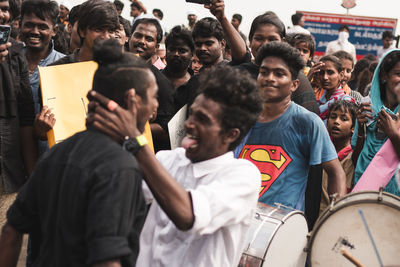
(83,203)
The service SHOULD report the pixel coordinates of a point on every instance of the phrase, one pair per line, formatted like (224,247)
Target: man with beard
(38,22)
(179,46)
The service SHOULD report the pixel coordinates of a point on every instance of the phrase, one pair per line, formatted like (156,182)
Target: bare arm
(363,114)
(336,177)
(10,246)
(171,196)
(232,36)
(390,127)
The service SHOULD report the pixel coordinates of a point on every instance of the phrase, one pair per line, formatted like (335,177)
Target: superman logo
(270,160)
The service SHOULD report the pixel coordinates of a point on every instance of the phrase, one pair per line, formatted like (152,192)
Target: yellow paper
(64,89)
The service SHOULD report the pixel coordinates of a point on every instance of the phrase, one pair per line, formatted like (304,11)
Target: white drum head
(344,228)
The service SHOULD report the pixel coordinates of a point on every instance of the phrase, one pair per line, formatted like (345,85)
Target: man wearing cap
(65,7)
(192,19)
(137,11)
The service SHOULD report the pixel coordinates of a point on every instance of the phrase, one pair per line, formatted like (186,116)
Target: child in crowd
(329,74)
(348,64)
(341,122)
(306,45)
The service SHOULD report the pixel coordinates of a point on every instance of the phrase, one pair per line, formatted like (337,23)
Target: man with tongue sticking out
(203,195)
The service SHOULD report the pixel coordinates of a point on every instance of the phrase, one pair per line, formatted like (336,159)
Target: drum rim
(280,222)
(329,211)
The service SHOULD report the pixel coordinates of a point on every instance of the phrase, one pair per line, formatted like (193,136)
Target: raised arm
(232,36)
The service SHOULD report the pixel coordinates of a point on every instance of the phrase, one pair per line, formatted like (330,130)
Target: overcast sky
(175,10)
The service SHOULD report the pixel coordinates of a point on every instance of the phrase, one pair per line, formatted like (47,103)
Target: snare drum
(341,226)
(277,237)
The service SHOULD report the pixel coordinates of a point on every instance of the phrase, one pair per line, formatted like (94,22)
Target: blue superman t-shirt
(283,150)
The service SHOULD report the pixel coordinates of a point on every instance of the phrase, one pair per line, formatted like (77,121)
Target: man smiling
(287,139)
(203,195)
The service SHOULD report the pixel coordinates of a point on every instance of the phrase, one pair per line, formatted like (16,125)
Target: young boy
(306,46)
(341,121)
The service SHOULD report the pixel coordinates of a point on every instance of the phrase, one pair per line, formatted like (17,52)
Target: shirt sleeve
(322,149)
(115,202)
(223,201)
(22,214)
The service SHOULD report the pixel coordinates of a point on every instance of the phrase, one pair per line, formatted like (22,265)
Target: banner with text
(365,32)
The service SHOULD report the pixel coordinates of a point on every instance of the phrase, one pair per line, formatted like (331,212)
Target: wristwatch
(132,145)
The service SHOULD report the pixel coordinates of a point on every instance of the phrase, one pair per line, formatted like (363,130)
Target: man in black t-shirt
(83,205)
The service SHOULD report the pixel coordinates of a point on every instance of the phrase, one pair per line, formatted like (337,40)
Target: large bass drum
(277,237)
(341,227)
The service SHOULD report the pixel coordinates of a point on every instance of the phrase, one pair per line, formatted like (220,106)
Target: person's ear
(231,135)
(55,29)
(295,85)
(341,75)
(223,44)
(138,99)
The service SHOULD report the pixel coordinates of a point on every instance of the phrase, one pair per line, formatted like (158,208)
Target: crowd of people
(265,123)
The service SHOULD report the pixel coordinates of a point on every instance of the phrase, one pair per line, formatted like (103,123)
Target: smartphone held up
(202,2)
(5,31)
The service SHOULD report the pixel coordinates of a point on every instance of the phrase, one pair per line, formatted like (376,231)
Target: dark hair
(208,27)
(296,18)
(41,8)
(238,17)
(15,9)
(181,33)
(296,38)
(150,21)
(98,14)
(159,12)
(73,15)
(61,42)
(335,60)
(290,55)
(360,66)
(267,18)
(137,5)
(387,34)
(341,54)
(238,96)
(118,71)
(119,4)
(387,64)
(345,106)
(344,27)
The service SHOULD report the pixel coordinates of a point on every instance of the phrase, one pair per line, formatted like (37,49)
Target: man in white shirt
(387,41)
(298,25)
(342,43)
(203,196)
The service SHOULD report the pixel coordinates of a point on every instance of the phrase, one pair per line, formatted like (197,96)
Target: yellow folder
(64,89)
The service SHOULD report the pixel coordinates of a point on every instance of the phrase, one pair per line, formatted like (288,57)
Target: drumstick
(351,258)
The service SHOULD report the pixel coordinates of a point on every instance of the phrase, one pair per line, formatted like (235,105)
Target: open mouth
(190,142)
(34,40)
(335,130)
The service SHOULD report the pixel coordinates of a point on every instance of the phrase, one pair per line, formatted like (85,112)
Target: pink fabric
(380,170)
(159,64)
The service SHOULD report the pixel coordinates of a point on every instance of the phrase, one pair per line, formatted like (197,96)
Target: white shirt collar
(205,167)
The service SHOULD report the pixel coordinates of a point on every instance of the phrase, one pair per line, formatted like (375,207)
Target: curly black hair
(238,96)
(290,55)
